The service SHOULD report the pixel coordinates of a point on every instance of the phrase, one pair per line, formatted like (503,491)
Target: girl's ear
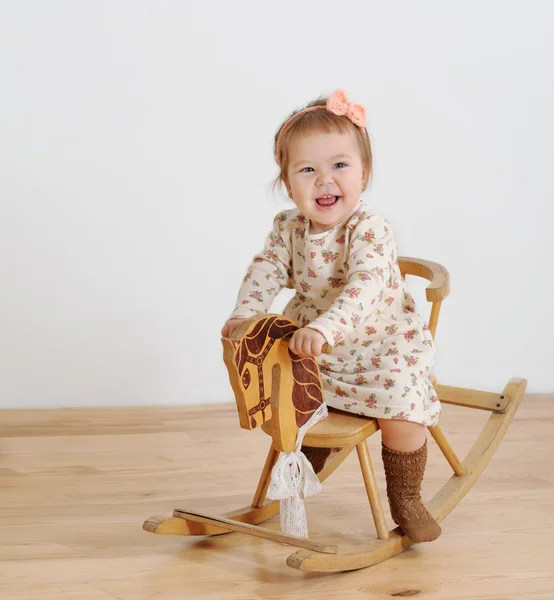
(287,186)
(365,178)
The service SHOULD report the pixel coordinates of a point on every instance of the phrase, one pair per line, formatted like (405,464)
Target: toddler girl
(341,258)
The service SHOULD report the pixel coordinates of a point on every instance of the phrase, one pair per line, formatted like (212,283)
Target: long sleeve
(372,252)
(268,274)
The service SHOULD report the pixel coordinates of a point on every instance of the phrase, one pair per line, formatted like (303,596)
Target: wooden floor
(76,486)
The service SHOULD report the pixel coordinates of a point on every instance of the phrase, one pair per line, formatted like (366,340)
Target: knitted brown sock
(404,473)
(316,456)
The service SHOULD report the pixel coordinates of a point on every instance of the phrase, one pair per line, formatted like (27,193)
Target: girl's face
(325,177)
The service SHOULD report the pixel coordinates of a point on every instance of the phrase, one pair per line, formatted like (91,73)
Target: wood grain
(77,484)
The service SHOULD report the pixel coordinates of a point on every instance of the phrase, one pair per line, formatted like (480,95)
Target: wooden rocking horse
(278,391)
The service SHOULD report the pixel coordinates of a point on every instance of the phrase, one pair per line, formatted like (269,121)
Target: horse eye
(246,379)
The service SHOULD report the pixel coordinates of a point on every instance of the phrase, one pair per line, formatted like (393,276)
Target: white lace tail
(293,479)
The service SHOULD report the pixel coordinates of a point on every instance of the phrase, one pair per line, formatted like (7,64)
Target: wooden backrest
(438,288)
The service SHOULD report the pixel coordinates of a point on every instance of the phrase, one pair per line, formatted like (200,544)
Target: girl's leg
(404,452)
(317,457)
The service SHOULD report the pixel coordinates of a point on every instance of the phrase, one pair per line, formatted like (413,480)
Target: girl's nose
(324,178)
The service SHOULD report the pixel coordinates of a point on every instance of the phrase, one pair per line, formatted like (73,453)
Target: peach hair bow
(339,105)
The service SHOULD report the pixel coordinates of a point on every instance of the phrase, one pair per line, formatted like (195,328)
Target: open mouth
(327,201)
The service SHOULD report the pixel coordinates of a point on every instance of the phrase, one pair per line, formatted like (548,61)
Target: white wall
(135,161)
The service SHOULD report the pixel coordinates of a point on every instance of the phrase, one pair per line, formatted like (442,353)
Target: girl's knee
(404,436)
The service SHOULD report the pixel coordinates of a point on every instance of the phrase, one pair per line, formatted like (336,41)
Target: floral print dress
(349,288)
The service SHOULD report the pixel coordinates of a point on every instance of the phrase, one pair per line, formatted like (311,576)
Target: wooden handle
(326,349)
(439,278)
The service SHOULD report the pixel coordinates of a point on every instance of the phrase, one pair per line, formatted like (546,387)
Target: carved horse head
(269,381)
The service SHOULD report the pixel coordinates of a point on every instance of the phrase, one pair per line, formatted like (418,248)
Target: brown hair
(318,121)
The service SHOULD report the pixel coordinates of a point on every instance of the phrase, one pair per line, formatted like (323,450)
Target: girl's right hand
(230,327)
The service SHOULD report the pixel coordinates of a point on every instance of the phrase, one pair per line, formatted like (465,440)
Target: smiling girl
(341,258)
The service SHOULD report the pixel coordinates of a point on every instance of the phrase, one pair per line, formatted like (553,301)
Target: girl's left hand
(307,342)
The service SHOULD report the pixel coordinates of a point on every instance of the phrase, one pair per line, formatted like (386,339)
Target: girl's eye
(340,165)
(306,170)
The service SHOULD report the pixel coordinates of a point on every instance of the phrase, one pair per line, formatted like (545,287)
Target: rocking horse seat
(338,429)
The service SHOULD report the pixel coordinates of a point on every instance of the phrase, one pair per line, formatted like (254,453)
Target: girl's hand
(230,327)
(307,342)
